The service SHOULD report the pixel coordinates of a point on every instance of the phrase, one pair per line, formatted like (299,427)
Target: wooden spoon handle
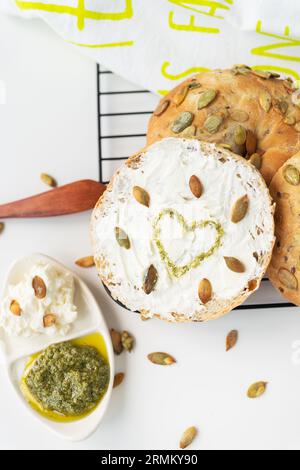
(70,199)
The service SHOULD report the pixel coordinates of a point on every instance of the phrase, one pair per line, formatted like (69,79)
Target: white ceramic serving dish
(14,351)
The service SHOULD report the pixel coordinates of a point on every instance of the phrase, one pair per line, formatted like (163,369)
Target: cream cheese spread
(52,314)
(186,238)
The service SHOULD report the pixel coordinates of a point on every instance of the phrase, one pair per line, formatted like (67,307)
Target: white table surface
(49,124)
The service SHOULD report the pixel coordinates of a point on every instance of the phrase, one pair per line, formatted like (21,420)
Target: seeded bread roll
(184,231)
(284,270)
(254,113)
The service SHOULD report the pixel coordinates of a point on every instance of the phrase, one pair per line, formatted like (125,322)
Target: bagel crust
(221,105)
(284,270)
(184,231)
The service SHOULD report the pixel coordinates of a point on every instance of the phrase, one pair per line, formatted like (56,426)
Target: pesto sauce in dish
(68,379)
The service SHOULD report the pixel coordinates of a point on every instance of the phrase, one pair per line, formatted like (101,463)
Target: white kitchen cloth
(157,43)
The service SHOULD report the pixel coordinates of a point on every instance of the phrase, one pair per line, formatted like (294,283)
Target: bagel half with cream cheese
(184,231)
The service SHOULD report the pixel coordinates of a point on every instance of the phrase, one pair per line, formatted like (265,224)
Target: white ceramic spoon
(15,351)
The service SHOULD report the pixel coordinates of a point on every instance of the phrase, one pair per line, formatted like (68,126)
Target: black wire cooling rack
(123,113)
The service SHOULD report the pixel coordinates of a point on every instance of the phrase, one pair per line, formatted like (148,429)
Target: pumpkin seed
(242,66)
(296,98)
(251,143)
(118,379)
(48,180)
(262,74)
(240,209)
(188,437)
(181,96)
(240,135)
(289,85)
(162,108)
(86,262)
(127,341)
(291,175)
(150,280)
(122,238)
(141,196)
(49,320)
(161,359)
(265,100)
(282,106)
(241,70)
(275,75)
(234,265)
(290,120)
(189,132)
(213,123)
(239,149)
(2,226)
(205,291)
(183,121)
(257,390)
(206,98)
(193,85)
(256,160)
(116,339)
(15,308)
(226,146)
(39,287)
(231,340)
(288,279)
(196,186)
(239,115)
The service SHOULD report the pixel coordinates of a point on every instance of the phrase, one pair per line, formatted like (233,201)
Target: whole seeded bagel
(253,113)
(284,270)
(184,231)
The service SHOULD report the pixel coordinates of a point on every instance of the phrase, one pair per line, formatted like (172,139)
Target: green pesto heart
(178,271)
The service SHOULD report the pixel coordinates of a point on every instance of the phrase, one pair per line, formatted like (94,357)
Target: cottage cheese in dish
(44,306)
(187,239)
